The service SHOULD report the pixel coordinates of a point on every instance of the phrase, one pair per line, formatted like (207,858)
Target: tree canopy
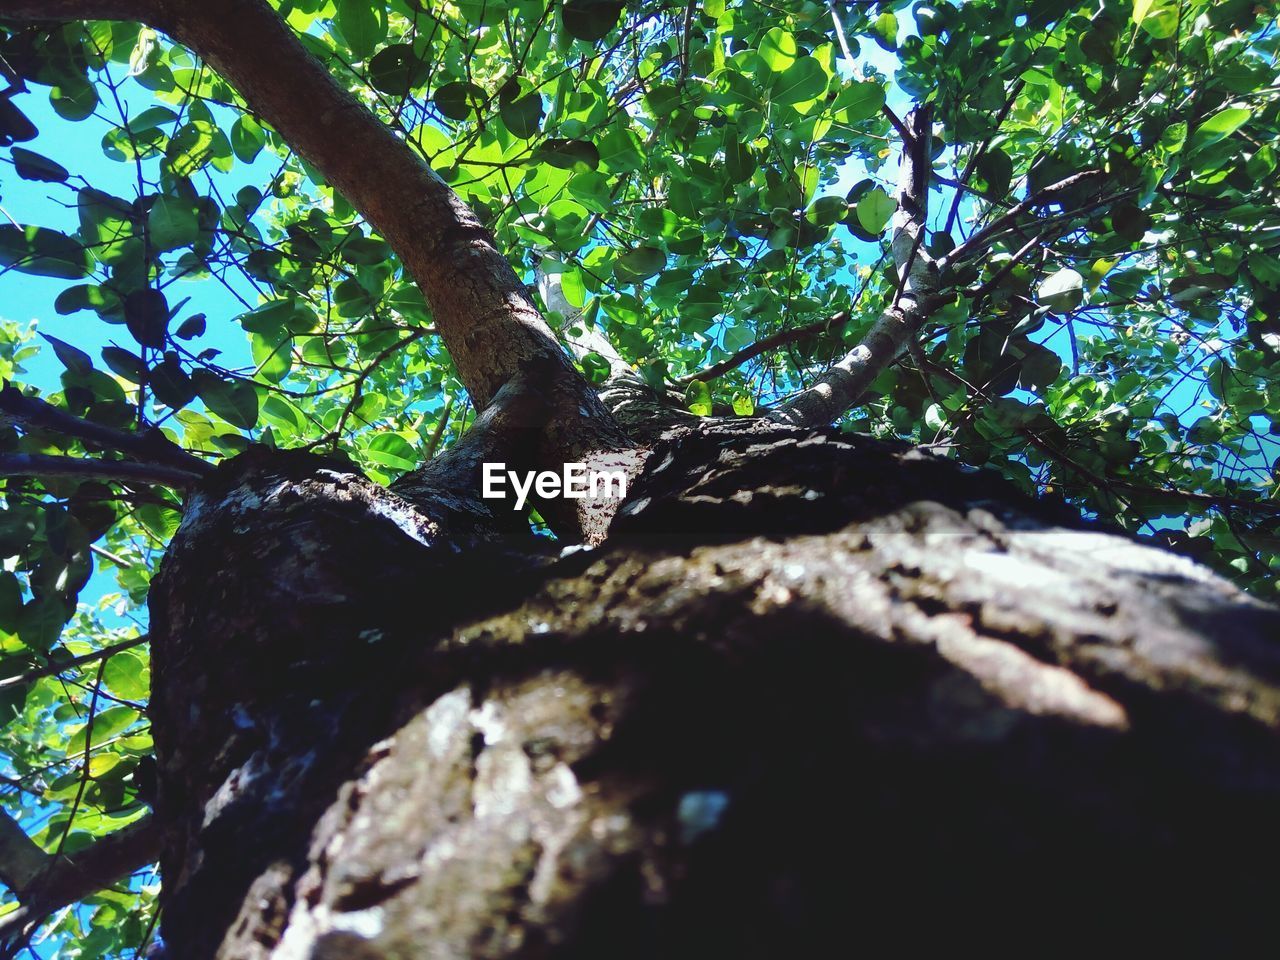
(701,197)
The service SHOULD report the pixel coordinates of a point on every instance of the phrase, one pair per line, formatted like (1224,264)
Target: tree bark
(814,692)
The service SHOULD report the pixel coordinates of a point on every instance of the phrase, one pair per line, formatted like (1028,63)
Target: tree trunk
(814,694)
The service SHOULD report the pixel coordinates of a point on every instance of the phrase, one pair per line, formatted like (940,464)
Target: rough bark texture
(815,694)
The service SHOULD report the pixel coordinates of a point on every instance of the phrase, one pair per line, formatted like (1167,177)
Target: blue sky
(77,146)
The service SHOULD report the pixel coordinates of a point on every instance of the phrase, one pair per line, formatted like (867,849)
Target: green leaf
(521,115)
(860,101)
(995,172)
(1266,268)
(641,263)
(32,166)
(284,415)
(106,224)
(272,355)
(827,210)
(89,296)
(247,138)
(1157,17)
(1129,221)
(235,401)
(363,25)
(43,252)
(935,417)
(173,222)
(778,49)
(127,675)
(578,155)
(1220,126)
(146,312)
(191,327)
(1063,291)
(743,404)
(875,210)
(802,81)
(73,358)
(1261,163)
(196,145)
(397,69)
(595,368)
(14,125)
(885,31)
(126,364)
(392,450)
(106,725)
(170,383)
(697,397)
(1174,136)
(590,20)
(75,100)
(457,100)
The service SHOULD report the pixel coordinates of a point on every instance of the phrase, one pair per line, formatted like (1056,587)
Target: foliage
(709,175)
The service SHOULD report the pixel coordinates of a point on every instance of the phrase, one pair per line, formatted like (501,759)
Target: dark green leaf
(43,252)
(126,364)
(170,383)
(590,19)
(522,115)
(146,312)
(73,358)
(397,69)
(33,166)
(236,401)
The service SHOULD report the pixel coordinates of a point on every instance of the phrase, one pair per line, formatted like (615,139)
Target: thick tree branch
(43,465)
(153,447)
(47,883)
(591,340)
(21,860)
(480,307)
(916,297)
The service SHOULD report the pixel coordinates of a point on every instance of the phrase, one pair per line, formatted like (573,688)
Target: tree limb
(59,881)
(983,237)
(51,669)
(153,447)
(591,340)
(765,344)
(916,297)
(43,465)
(21,860)
(479,306)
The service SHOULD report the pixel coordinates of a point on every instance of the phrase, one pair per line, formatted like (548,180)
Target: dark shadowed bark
(814,692)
